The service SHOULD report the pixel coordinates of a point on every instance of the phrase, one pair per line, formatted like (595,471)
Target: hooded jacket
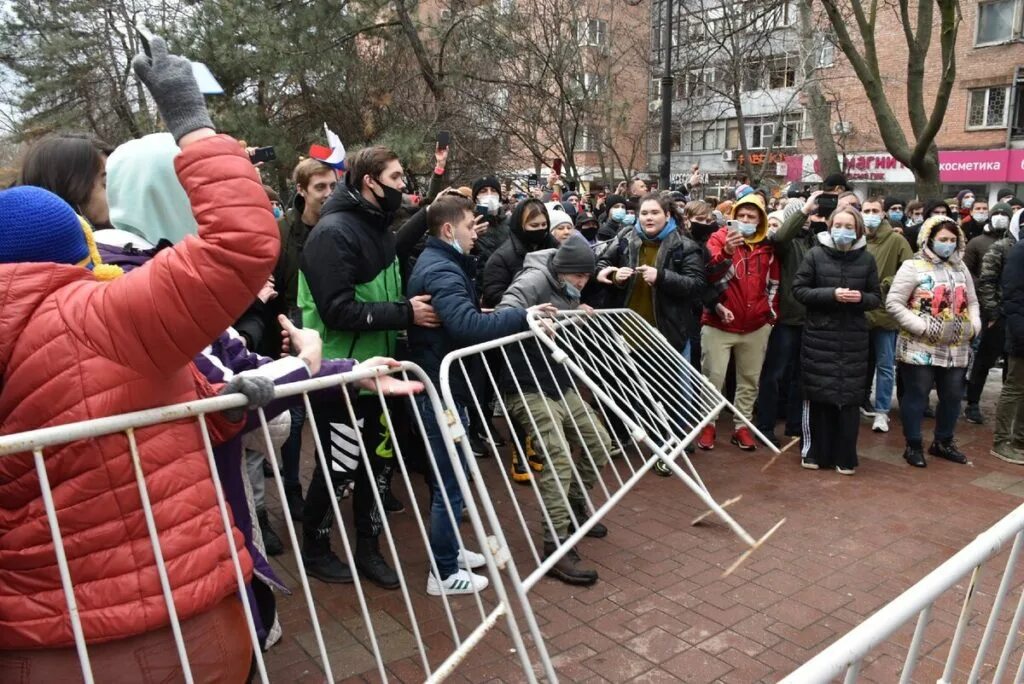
(350,282)
(890,250)
(792,243)
(73,348)
(681,280)
(934,302)
(834,347)
(990,276)
(507,260)
(448,277)
(745,282)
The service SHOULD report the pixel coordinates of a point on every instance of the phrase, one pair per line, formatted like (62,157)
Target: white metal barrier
(637,389)
(490,608)
(846,656)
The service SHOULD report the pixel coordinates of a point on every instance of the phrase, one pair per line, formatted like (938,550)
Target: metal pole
(665,166)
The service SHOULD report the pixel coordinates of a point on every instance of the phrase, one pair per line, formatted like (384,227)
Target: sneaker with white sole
(881,423)
(471,559)
(461,582)
(845,471)
(808,463)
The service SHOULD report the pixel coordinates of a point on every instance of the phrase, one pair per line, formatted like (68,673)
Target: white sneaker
(471,559)
(845,471)
(462,582)
(881,423)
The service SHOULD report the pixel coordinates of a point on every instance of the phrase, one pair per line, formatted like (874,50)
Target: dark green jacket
(792,243)
(989,285)
(890,250)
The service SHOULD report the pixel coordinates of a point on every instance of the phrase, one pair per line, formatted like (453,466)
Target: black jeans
(341,446)
(917,383)
(989,350)
(781,367)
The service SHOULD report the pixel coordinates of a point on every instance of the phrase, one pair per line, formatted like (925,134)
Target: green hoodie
(890,250)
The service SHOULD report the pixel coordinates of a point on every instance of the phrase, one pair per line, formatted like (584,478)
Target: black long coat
(834,352)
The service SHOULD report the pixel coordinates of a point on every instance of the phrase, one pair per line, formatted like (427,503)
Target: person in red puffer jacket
(743,272)
(74,347)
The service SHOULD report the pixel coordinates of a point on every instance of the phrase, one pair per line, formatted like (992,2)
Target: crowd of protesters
(163,271)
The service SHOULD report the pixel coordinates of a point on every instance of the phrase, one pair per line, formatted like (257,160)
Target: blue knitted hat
(38,226)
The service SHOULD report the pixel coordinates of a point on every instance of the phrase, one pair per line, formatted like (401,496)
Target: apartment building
(981,143)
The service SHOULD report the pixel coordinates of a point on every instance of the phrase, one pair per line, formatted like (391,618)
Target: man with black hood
(586,224)
(614,217)
(894,212)
(350,291)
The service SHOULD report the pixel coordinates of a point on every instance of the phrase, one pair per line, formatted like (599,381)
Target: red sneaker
(743,439)
(706,440)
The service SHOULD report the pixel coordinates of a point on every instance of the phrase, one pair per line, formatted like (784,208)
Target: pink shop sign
(974,166)
(955,166)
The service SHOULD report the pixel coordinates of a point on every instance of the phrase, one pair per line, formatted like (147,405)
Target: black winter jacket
(834,353)
(680,285)
(1013,299)
(351,245)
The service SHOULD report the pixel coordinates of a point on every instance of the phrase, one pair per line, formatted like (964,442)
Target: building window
(826,54)
(593,32)
(587,138)
(997,21)
(986,108)
(782,72)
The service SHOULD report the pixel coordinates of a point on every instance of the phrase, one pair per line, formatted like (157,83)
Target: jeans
(783,353)
(883,344)
(990,347)
(917,383)
(291,450)
(444,544)
(1010,410)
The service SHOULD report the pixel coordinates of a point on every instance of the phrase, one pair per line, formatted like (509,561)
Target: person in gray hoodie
(552,403)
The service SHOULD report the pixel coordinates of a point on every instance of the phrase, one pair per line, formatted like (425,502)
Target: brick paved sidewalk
(662,611)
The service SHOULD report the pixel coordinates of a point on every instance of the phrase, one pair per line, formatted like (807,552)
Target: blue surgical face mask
(943,250)
(629,219)
(872,221)
(896,216)
(571,291)
(278,213)
(843,237)
(968,202)
(618,213)
(746,229)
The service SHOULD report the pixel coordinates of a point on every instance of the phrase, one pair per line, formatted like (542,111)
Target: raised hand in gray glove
(171,83)
(256,388)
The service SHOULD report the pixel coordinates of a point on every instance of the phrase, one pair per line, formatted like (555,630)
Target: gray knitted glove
(171,83)
(257,389)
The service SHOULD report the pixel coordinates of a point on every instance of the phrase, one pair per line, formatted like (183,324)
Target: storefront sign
(955,166)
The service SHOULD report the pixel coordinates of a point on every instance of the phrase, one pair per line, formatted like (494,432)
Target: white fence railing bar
(464,637)
(846,655)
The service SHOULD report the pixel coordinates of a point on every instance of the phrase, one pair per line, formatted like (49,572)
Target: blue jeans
(444,545)
(291,450)
(883,344)
(917,383)
(783,352)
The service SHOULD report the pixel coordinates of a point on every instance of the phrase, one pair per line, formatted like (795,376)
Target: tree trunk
(926,176)
(819,112)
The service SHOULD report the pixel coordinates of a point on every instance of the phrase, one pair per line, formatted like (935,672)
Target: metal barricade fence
(588,403)
(466,627)
(937,592)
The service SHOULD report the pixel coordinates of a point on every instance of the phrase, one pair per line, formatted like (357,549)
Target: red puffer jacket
(73,348)
(747,283)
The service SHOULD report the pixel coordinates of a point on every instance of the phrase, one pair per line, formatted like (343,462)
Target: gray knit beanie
(574,256)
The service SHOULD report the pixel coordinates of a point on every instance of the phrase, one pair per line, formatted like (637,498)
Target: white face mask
(1000,222)
(492,202)
(980,216)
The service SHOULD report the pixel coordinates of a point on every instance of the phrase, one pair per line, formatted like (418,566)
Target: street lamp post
(665,165)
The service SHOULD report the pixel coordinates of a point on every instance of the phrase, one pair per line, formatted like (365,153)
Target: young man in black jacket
(350,291)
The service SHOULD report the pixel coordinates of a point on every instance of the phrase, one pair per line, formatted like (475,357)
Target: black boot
(293,492)
(972,413)
(371,564)
(392,504)
(271,542)
(323,564)
(914,455)
(570,568)
(580,509)
(947,449)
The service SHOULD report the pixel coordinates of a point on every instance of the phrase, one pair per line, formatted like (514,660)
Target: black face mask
(819,227)
(533,237)
(702,231)
(391,201)
(589,233)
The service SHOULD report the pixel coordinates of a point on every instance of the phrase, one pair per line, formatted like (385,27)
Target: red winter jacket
(747,282)
(73,348)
